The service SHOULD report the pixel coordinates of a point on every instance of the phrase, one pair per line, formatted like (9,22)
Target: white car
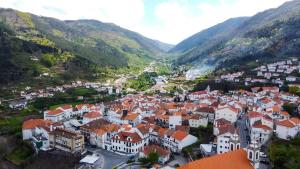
(262,154)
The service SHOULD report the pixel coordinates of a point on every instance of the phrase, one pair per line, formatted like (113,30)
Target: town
(136,127)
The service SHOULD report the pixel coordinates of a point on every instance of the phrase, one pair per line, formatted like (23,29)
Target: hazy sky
(166,20)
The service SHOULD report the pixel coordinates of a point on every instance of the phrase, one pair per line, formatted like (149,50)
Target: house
(221,125)
(90,116)
(206,111)
(29,126)
(66,140)
(237,159)
(287,129)
(131,119)
(164,154)
(197,95)
(228,140)
(228,113)
(67,109)
(54,115)
(174,120)
(266,102)
(291,78)
(101,136)
(260,132)
(197,120)
(128,143)
(84,108)
(177,140)
(18,103)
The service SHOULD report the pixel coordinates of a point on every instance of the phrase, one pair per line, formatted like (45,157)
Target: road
(241,125)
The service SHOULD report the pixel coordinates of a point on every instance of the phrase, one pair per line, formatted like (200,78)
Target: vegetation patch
(143,82)
(21,154)
(285,154)
(26,17)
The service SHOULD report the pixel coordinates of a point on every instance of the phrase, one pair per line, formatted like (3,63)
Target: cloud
(119,12)
(179,22)
(171,20)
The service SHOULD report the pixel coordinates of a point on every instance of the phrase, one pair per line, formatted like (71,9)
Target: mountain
(36,45)
(269,35)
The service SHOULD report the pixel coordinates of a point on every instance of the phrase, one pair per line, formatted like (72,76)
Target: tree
(293,89)
(285,154)
(290,108)
(151,159)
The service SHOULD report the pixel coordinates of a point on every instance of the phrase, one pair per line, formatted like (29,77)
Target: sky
(169,21)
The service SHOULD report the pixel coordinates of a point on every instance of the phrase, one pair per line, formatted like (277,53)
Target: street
(241,125)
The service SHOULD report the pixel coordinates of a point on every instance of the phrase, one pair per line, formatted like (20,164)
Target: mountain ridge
(268,34)
(80,45)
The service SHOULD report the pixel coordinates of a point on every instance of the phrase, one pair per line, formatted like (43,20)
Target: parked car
(262,154)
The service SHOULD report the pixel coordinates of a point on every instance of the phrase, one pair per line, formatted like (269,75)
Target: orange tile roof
(179,135)
(99,132)
(254,114)
(286,123)
(92,115)
(295,120)
(285,113)
(155,148)
(276,108)
(55,112)
(32,123)
(232,160)
(124,135)
(130,117)
(258,124)
(65,107)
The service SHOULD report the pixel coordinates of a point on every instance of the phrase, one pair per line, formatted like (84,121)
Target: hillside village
(137,125)
(275,73)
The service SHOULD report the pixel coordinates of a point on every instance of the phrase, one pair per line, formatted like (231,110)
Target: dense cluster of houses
(139,124)
(276,73)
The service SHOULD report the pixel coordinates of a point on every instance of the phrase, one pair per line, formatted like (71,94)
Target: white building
(196,120)
(229,113)
(175,120)
(127,143)
(287,129)
(228,141)
(177,140)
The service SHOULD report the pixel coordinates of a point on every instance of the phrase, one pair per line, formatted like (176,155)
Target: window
(250,155)
(231,147)
(256,156)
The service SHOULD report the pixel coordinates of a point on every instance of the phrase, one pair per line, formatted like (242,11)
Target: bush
(151,159)
(48,60)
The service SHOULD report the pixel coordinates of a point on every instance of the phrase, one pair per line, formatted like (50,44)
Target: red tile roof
(124,135)
(179,135)
(92,115)
(232,160)
(55,112)
(286,123)
(155,148)
(32,123)
(258,124)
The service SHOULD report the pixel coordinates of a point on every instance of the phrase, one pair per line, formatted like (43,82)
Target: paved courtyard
(111,159)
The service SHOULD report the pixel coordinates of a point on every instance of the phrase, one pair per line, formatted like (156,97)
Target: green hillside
(33,47)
